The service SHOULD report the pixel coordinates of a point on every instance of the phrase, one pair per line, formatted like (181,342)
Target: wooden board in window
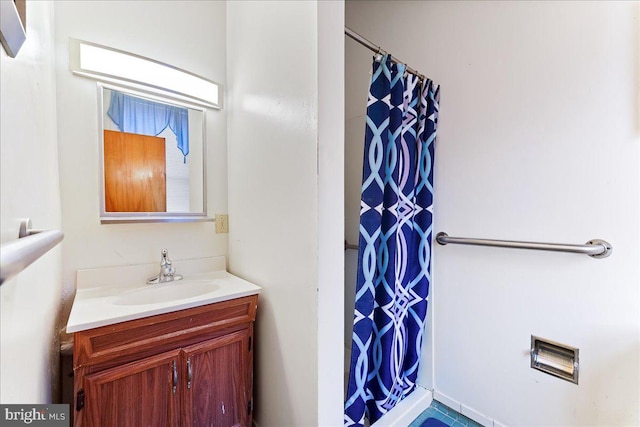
(135,178)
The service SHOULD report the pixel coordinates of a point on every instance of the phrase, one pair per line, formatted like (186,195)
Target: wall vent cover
(555,359)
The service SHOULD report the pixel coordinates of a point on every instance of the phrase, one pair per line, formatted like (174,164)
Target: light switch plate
(222,223)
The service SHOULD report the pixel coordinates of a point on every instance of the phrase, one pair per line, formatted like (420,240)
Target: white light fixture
(115,66)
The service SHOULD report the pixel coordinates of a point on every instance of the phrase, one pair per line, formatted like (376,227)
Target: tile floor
(446,415)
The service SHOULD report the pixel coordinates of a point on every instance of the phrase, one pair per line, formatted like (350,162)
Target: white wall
(331,96)
(538,140)
(273,196)
(29,303)
(188,34)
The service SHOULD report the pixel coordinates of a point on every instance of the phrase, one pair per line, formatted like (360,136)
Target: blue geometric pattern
(394,257)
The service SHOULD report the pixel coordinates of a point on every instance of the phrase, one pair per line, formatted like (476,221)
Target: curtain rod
(377,49)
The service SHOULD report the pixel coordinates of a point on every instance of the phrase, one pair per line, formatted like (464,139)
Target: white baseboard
(407,410)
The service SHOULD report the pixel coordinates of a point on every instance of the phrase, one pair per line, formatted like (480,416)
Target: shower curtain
(394,253)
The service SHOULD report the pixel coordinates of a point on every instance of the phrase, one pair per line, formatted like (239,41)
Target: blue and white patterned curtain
(394,254)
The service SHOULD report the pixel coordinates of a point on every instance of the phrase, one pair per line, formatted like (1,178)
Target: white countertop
(116,294)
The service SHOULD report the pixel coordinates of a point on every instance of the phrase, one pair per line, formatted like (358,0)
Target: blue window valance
(144,117)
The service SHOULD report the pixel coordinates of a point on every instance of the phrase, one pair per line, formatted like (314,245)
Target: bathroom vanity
(146,357)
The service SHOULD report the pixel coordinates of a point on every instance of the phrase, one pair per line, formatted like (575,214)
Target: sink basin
(166,292)
(110,295)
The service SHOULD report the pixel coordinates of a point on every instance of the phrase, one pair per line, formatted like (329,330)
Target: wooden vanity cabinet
(192,367)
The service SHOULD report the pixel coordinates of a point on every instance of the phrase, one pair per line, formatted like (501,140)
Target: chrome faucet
(167,271)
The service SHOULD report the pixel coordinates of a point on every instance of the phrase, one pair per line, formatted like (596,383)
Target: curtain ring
(379,54)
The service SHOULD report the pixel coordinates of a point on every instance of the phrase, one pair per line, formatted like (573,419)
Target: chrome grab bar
(31,244)
(595,248)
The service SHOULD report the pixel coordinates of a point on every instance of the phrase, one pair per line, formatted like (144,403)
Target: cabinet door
(217,387)
(138,394)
